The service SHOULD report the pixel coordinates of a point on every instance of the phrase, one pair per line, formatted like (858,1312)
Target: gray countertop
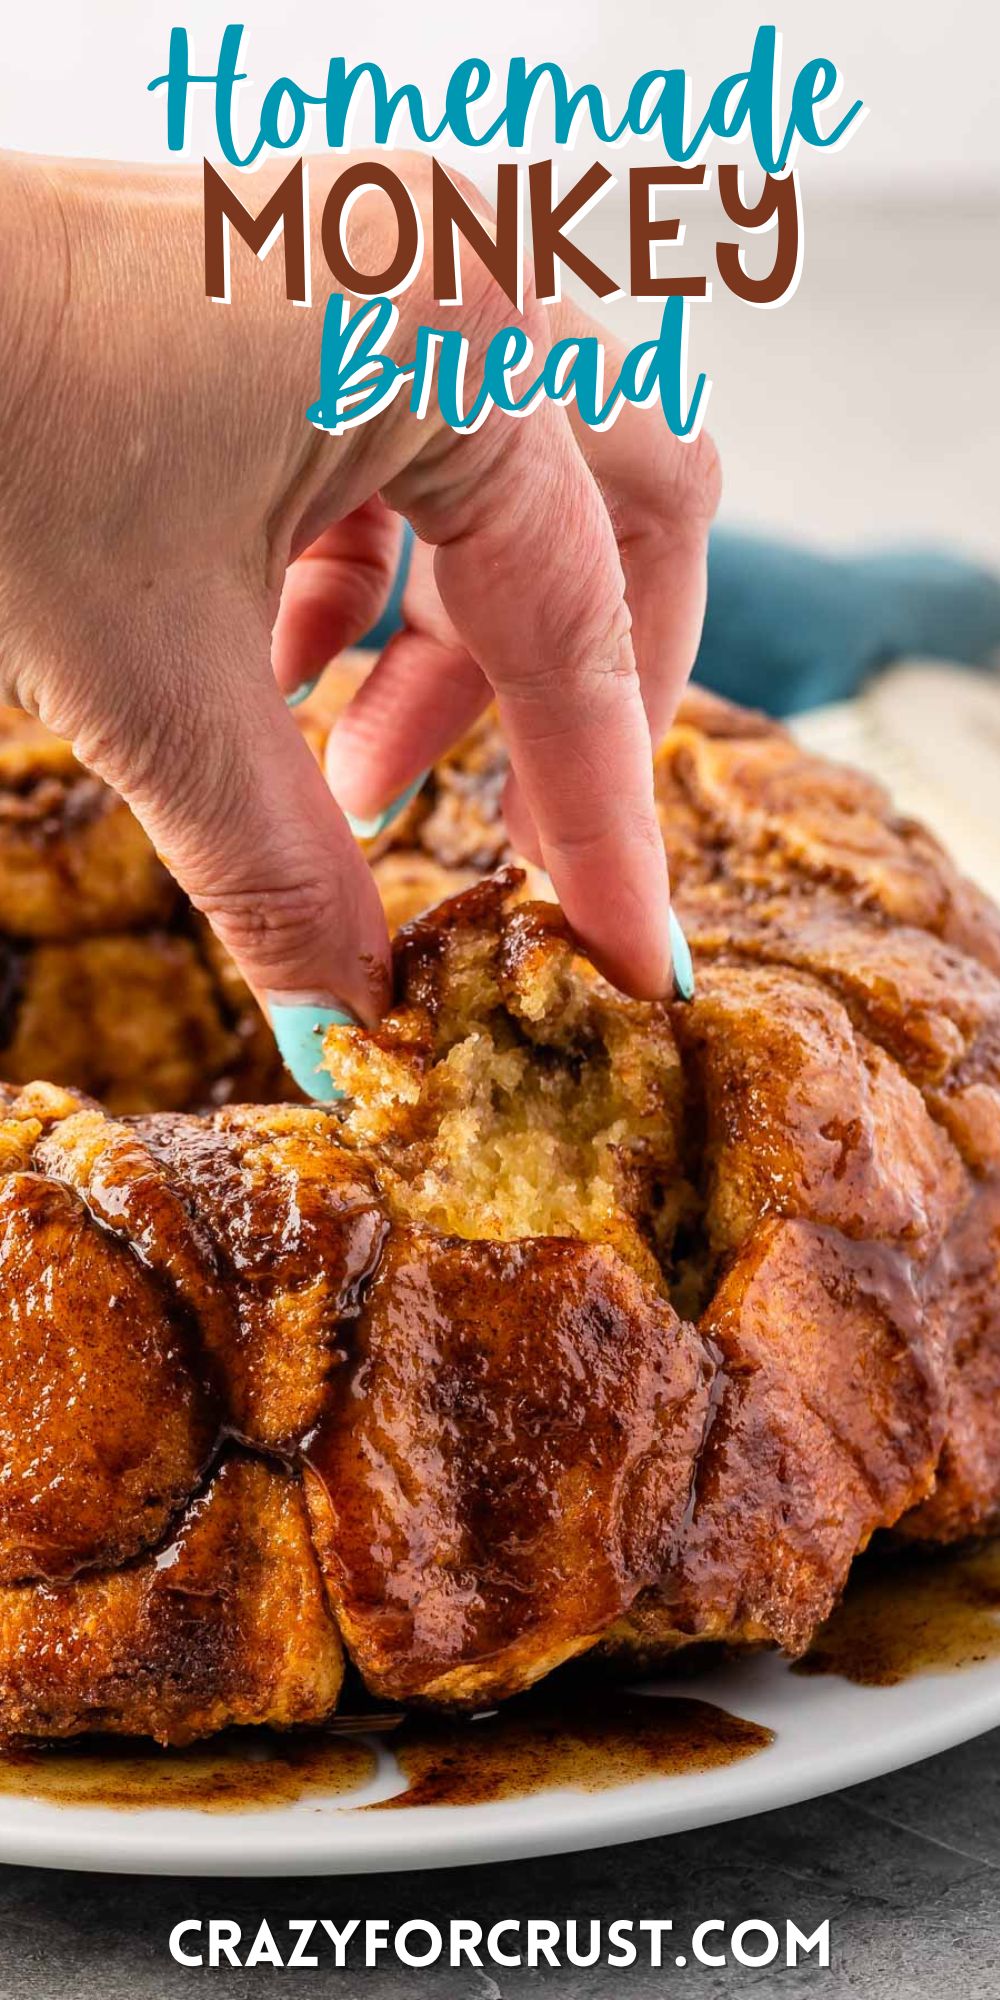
(905,1868)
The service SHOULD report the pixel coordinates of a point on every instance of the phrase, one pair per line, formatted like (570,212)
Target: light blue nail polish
(366,829)
(301,693)
(298,1031)
(680,952)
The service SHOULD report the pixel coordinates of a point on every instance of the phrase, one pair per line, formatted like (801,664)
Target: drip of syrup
(593,1743)
(912,1614)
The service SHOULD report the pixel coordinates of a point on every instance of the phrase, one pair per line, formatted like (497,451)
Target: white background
(73,76)
(867,408)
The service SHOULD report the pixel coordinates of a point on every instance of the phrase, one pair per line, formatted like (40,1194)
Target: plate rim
(319,1843)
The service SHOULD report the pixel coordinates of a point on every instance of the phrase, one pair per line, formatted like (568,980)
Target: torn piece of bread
(511,1093)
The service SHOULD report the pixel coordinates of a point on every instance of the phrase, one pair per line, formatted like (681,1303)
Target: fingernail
(680,952)
(366,829)
(301,693)
(299,1027)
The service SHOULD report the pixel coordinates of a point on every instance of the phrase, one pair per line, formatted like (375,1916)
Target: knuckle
(471,193)
(489,308)
(137,745)
(604,671)
(591,645)
(414,169)
(362,588)
(632,833)
(270,927)
(674,502)
(689,483)
(704,475)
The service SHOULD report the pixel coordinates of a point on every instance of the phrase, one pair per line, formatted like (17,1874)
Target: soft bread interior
(514,1094)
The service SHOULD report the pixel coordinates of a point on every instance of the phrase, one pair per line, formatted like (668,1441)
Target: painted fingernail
(301,693)
(299,1027)
(680,952)
(366,829)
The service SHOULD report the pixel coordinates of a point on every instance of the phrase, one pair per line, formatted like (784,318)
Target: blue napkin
(788,628)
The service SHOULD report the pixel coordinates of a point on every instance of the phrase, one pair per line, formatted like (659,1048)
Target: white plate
(828,1733)
(931,733)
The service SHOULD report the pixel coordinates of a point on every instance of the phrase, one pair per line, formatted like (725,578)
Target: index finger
(529,572)
(662,493)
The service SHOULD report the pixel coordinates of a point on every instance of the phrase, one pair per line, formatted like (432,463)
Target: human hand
(169,508)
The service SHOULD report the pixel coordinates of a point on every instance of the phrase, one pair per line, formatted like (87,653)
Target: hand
(427,688)
(168,508)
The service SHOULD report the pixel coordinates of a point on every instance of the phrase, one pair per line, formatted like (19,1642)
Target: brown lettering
(548,224)
(779,200)
(368,284)
(285,209)
(453,212)
(644,232)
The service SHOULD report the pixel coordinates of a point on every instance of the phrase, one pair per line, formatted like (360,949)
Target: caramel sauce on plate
(912,1614)
(532,1746)
(904,1615)
(242,1770)
(541,1744)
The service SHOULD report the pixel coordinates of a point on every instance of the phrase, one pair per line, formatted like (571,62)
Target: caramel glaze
(913,1614)
(526,1411)
(589,1741)
(507,1449)
(902,1615)
(542,1743)
(237,1771)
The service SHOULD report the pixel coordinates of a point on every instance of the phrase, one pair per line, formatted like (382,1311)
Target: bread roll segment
(583,1324)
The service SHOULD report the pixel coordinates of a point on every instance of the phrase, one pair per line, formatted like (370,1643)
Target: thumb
(205,752)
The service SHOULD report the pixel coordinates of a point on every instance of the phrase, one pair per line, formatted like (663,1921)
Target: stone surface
(905,1868)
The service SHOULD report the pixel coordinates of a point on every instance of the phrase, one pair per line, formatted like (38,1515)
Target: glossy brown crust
(803,1116)
(111,983)
(829,1421)
(544,1407)
(293,1226)
(91,1344)
(962,1292)
(106,1414)
(518,1448)
(506,1462)
(935,1011)
(73,861)
(781,860)
(227,1623)
(748,817)
(258,1229)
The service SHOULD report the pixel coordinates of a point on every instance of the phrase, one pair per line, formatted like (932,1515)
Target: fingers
(207,755)
(421,695)
(662,494)
(333,593)
(530,575)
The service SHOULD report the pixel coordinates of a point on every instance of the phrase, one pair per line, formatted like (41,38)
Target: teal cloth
(788,628)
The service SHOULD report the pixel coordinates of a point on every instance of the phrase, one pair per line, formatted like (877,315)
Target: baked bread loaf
(112,984)
(583,1324)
